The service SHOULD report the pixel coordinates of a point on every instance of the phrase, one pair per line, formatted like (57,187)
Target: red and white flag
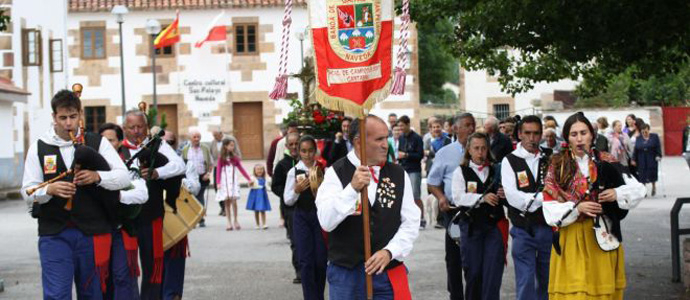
(215,32)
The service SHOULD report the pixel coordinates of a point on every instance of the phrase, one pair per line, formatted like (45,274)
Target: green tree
(527,41)
(437,65)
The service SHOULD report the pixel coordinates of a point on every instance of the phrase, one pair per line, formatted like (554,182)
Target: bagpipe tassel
(280,89)
(400,73)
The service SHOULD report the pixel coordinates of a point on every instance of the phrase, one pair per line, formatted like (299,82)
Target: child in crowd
(229,186)
(258,197)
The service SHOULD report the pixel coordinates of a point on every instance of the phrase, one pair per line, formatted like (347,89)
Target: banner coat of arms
(353,42)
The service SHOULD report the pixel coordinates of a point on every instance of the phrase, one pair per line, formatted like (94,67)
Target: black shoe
(438,226)
(202,223)
(422,224)
(297,280)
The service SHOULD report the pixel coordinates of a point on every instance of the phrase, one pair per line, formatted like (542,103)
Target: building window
(55,55)
(95,117)
(31,47)
(501,111)
(245,39)
(93,43)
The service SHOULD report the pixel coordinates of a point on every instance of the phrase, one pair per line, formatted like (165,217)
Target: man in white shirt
(150,222)
(73,213)
(522,175)
(394,218)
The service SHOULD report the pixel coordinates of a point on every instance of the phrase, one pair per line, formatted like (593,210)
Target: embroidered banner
(353,52)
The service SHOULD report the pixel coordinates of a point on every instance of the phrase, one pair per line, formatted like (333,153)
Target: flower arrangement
(313,119)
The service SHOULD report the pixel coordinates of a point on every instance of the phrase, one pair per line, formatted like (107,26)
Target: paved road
(254,264)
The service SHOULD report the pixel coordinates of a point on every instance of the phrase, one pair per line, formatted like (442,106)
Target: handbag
(606,240)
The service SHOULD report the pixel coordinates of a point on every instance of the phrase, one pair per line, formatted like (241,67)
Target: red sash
(503,228)
(157,228)
(131,248)
(101,254)
(181,249)
(398,279)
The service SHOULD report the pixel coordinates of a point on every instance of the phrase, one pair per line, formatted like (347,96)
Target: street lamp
(300,36)
(120,11)
(153,27)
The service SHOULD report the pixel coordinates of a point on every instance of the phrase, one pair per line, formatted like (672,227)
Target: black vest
(305,200)
(92,206)
(154,208)
(485,212)
(346,242)
(519,165)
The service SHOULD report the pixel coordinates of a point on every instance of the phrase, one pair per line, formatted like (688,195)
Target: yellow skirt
(583,270)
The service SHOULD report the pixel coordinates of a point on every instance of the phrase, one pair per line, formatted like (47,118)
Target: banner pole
(365,204)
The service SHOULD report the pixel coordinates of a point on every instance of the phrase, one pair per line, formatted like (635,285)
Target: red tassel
(399,81)
(280,88)
(131,248)
(157,228)
(101,254)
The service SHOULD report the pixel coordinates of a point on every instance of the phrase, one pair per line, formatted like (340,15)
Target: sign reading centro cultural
(353,45)
(205,90)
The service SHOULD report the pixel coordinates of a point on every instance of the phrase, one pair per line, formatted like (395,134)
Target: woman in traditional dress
(582,187)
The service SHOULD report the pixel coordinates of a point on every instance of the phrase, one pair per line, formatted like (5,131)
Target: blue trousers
(173,275)
(65,258)
(311,252)
(453,264)
(349,284)
(482,256)
(145,239)
(531,255)
(121,284)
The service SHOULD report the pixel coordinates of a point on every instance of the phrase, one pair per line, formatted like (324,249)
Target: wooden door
(248,129)
(170,111)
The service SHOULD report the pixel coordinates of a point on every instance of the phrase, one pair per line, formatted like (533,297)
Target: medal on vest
(386,193)
(49,164)
(523,180)
(471,186)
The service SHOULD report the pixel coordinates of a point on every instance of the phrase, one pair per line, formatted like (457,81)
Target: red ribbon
(129,145)
(398,279)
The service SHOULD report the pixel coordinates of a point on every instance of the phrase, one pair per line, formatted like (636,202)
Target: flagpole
(365,202)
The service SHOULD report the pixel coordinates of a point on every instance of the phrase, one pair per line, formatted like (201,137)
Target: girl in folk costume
(258,197)
(483,225)
(311,248)
(227,175)
(586,196)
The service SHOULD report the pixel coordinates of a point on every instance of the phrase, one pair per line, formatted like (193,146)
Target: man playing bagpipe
(83,175)
(522,176)
(124,263)
(162,168)
(394,219)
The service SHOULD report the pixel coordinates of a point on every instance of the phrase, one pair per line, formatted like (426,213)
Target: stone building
(219,85)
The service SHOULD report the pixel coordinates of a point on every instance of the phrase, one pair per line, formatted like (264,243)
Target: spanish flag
(169,36)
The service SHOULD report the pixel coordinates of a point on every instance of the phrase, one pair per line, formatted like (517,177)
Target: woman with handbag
(585,197)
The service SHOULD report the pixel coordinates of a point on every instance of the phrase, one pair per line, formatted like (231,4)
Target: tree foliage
(527,41)
(437,65)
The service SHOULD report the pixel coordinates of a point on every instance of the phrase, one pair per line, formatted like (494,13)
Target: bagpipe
(86,157)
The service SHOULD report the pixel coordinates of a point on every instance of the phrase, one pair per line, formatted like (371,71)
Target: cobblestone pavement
(254,264)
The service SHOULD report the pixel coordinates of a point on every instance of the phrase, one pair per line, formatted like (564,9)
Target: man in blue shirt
(439,183)
(410,154)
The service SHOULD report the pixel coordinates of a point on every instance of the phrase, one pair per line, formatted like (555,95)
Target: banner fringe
(351,108)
